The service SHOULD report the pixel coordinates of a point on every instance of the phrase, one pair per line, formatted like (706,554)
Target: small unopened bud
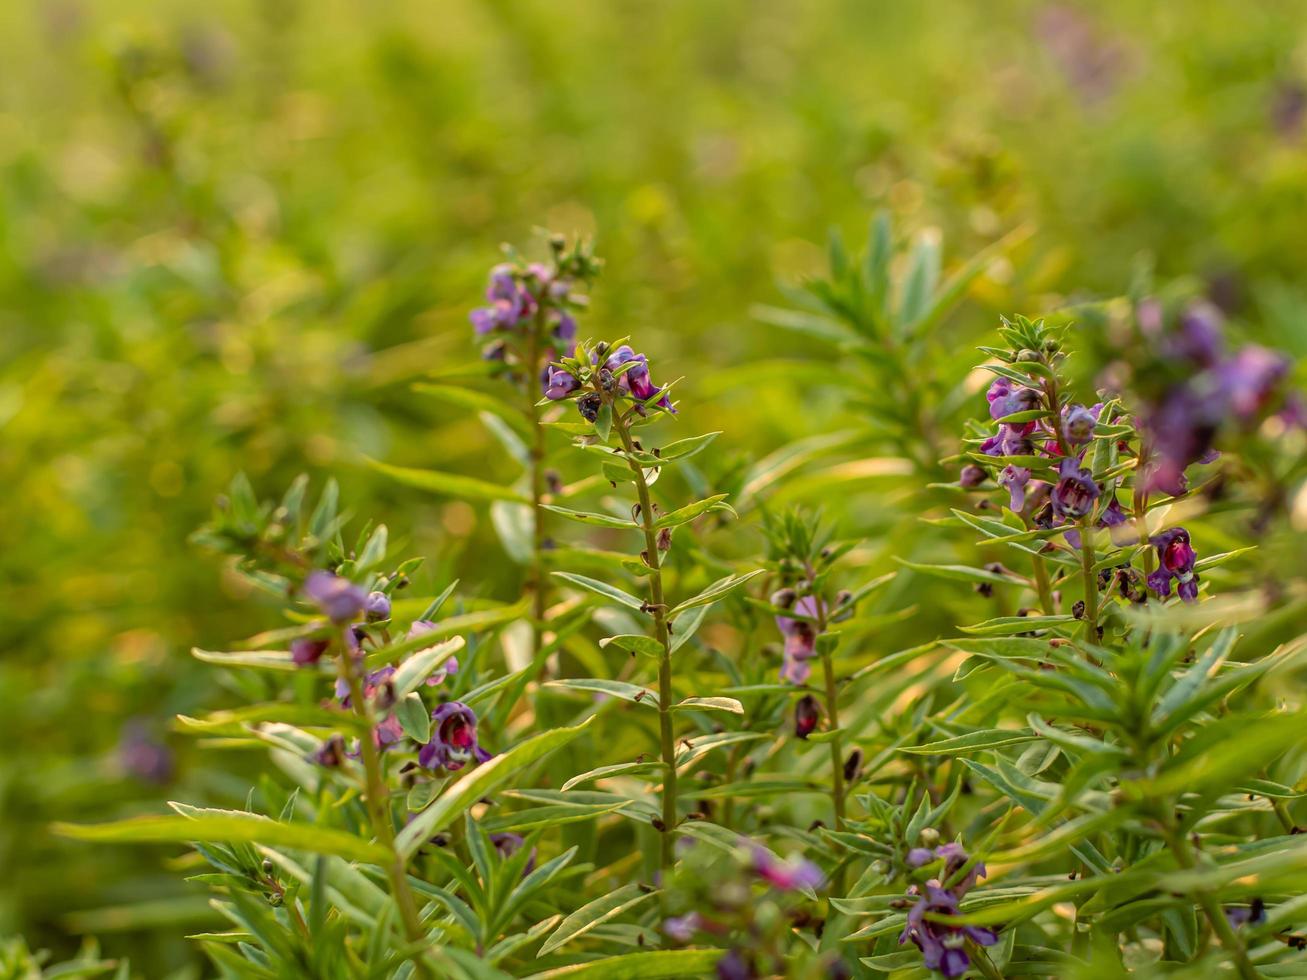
(784,598)
(665,539)
(928,836)
(377,606)
(331,753)
(267,867)
(606,380)
(972,476)
(852,765)
(658,825)
(553,481)
(1078,610)
(806,715)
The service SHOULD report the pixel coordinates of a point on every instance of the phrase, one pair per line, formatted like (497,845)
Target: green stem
(1091,578)
(1184,857)
(376,799)
(658,608)
(982,961)
(1043,586)
(836,744)
(540,598)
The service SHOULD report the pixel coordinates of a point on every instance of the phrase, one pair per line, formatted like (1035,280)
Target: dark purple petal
(338,598)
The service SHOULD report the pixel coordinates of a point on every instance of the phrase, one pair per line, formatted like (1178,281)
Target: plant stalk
(540,598)
(1091,578)
(376,799)
(658,608)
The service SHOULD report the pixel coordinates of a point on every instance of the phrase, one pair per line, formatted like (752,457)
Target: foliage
(245,239)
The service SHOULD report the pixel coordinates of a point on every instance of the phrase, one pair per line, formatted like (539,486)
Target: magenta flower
(785,875)
(339,599)
(559,383)
(453,743)
(305,650)
(635,380)
(800,640)
(1078,423)
(1014,480)
(510,303)
(1175,560)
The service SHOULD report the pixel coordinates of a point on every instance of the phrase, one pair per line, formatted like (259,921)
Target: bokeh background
(233,233)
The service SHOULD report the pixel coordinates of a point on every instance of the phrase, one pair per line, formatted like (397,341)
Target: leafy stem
(376,798)
(1090,577)
(658,608)
(1187,860)
(540,599)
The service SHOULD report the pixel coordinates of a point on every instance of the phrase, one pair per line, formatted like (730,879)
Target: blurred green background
(232,234)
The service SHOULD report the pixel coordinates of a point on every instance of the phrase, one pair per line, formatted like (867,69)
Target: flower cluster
(943,945)
(614,372)
(1193,388)
(1175,560)
(532,306)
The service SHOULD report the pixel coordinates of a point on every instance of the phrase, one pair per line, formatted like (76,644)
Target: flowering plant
(707,759)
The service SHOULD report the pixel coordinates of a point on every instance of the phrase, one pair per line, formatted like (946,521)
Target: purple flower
(1175,560)
(1199,336)
(942,945)
(331,753)
(1075,492)
(305,650)
(1078,423)
(1249,381)
(806,716)
(453,739)
(800,640)
(920,856)
(785,875)
(377,606)
(559,383)
(1254,913)
(635,379)
(143,755)
(450,665)
(682,928)
(340,599)
(735,966)
(510,303)
(1006,397)
(971,477)
(1014,479)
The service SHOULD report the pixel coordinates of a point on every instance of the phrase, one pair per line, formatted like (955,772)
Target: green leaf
(414,717)
(963,573)
(971,741)
(663,964)
(604,421)
(594,913)
(685,448)
(481,781)
(711,704)
(605,772)
(265,659)
(714,592)
(634,643)
(1008,625)
(478,401)
(546,816)
(416,669)
(601,588)
(683,515)
(617,689)
(228,827)
(595,520)
(447,484)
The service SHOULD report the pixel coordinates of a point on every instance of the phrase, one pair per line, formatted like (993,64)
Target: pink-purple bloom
(1175,560)
(510,303)
(339,599)
(806,716)
(453,743)
(1075,493)
(635,380)
(800,639)
(785,875)
(305,650)
(943,946)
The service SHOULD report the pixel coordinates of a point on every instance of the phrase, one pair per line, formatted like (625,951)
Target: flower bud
(377,606)
(928,836)
(806,715)
(972,476)
(784,598)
